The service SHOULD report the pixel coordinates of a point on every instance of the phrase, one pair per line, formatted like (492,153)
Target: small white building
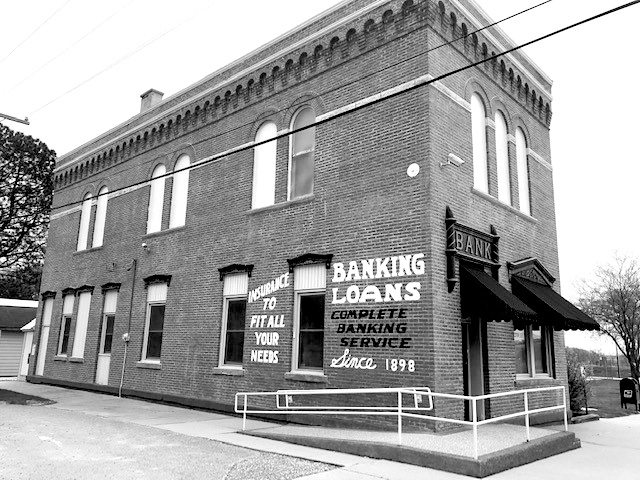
(14,315)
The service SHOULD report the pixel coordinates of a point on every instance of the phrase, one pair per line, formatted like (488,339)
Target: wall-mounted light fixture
(452,160)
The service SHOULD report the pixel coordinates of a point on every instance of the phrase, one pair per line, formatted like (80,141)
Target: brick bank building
(406,237)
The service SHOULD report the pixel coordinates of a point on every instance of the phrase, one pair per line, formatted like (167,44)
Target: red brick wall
(364,206)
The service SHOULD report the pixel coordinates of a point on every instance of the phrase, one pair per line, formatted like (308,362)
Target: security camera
(452,160)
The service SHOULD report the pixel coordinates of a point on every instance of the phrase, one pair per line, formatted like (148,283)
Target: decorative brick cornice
(303,60)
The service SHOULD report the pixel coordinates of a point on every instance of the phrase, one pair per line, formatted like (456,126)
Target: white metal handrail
(399,410)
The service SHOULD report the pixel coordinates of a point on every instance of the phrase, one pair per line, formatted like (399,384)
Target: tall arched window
(302,148)
(85,220)
(502,158)
(264,167)
(101,216)
(523,172)
(180,192)
(156,200)
(479,138)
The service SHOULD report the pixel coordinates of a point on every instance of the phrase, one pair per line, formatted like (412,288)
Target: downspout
(126,336)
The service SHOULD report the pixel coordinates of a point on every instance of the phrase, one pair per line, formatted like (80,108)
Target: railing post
(399,417)
(244,414)
(564,404)
(474,410)
(526,415)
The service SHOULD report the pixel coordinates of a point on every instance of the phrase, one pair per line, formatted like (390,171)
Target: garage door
(10,352)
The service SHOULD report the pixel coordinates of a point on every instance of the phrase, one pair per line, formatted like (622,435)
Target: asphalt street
(49,443)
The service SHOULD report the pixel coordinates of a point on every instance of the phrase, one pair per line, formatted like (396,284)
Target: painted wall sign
(269,288)
(371,330)
(378,268)
(267,341)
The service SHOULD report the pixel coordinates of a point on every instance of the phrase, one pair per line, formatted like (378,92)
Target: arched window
(180,192)
(264,167)
(156,200)
(479,138)
(302,148)
(101,215)
(85,217)
(523,172)
(502,158)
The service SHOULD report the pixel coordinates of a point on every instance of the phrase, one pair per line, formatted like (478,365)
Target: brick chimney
(150,98)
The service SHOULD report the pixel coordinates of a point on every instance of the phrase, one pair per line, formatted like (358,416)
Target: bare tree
(26,190)
(613,299)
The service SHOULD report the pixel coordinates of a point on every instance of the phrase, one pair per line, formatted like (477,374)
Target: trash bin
(629,392)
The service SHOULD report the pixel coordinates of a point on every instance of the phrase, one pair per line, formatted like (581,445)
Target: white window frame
(156,199)
(85,223)
(479,142)
(236,287)
(546,333)
(161,300)
(109,310)
(305,285)
(522,163)
(291,156)
(100,219)
(180,192)
(502,158)
(264,166)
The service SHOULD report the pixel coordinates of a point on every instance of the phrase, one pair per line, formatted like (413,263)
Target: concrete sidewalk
(609,446)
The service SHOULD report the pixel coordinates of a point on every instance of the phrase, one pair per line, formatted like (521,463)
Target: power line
(68,48)
(215,158)
(32,33)
(121,59)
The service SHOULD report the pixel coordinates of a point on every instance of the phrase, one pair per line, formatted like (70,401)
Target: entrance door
(473,362)
(104,354)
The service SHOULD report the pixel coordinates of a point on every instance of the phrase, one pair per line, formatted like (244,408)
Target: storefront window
(521,352)
(533,351)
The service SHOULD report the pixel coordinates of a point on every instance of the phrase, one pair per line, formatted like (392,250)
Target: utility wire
(68,48)
(32,33)
(215,158)
(121,59)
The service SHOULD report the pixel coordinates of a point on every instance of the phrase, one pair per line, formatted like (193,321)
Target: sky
(76,69)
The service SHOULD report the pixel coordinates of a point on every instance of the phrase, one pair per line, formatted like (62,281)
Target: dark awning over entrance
(482,296)
(552,308)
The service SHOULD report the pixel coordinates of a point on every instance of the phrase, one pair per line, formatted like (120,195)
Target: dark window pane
(311,331)
(233,348)
(236,314)
(154,345)
(312,312)
(156,318)
(108,333)
(311,346)
(65,329)
(302,175)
